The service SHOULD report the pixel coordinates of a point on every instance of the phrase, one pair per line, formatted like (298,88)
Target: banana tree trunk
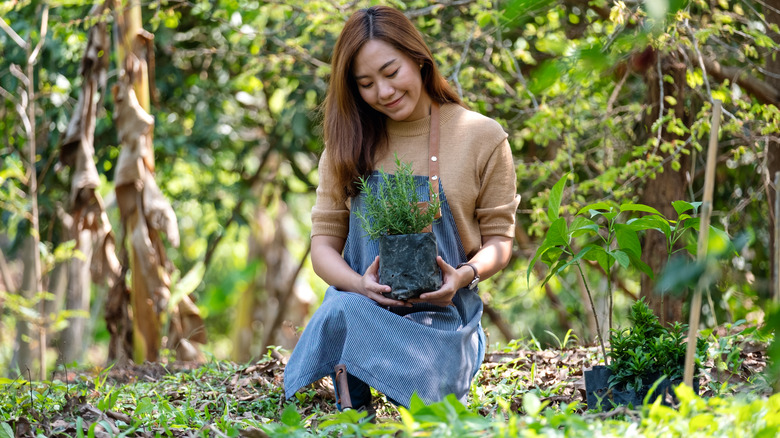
(145,213)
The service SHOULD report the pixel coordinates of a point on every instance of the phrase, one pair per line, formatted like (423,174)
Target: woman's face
(390,82)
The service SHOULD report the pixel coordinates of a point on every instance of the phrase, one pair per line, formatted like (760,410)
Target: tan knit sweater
(476,169)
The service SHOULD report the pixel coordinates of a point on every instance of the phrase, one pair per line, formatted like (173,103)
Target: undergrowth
(519,392)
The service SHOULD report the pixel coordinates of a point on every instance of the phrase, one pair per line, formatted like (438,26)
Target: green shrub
(648,350)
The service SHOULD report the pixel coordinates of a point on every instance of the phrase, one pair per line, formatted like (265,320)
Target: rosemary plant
(394,207)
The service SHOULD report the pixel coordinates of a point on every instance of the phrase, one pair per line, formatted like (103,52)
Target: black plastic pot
(407,263)
(600,395)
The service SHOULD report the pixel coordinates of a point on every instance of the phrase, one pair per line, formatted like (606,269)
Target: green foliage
(647,350)
(394,206)
(223,399)
(601,232)
(237,125)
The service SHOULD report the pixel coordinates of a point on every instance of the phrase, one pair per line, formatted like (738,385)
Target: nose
(386,90)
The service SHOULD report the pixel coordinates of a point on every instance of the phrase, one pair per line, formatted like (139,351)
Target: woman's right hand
(371,287)
(330,266)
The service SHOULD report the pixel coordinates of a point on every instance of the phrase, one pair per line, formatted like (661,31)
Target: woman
(384,95)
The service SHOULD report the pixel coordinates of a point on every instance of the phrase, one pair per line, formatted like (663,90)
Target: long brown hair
(354,132)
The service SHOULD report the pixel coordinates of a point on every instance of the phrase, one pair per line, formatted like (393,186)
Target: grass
(518,392)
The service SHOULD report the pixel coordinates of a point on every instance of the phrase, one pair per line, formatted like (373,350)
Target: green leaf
(557,234)
(416,404)
(621,257)
(639,207)
(637,263)
(580,255)
(532,405)
(144,406)
(554,269)
(520,9)
(628,240)
(582,225)
(484,18)
(683,206)
(554,203)
(599,255)
(291,416)
(6,431)
(651,222)
(544,76)
(598,207)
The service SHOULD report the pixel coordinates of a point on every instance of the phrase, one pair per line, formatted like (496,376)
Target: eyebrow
(384,66)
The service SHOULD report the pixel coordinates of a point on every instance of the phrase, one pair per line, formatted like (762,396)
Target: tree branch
(44,29)
(428,9)
(761,90)
(14,36)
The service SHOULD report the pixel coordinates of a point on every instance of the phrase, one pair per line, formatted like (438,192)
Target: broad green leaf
(627,240)
(539,252)
(554,203)
(637,263)
(6,431)
(554,270)
(651,222)
(557,234)
(581,225)
(639,207)
(682,206)
(598,206)
(416,404)
(598,255)
(291,416)
(144,406)
(580,255)
(621,257)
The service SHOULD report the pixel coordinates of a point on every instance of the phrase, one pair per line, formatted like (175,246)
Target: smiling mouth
(394,103)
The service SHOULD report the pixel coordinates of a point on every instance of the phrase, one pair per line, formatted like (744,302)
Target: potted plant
(395,216)
(646,358)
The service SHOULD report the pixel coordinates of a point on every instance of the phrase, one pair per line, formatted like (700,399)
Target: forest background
(200,249)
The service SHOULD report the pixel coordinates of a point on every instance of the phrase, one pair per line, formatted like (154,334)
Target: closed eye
(392,75)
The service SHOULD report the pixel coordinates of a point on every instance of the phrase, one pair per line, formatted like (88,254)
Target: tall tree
(145,212)
(25,106)
(85,219)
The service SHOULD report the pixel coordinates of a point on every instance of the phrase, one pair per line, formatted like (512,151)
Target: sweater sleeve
(330,214)
(498,200)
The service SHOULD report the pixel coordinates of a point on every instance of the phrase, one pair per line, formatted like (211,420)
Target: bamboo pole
(776,267)
(704,227)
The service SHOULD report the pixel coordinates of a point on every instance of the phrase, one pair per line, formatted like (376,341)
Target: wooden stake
(776,266)
(704,227)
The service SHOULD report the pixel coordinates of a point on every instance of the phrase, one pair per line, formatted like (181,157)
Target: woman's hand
(370,287)
(451,282)
(330,266)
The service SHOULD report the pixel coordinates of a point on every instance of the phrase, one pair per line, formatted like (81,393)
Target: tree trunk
(73,338)
(145,213)
(23,355)
(669,185)
(85,221)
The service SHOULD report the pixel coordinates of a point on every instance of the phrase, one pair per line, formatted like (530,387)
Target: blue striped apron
(431,350)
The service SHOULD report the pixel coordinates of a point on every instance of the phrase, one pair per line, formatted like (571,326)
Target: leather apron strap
(433,153)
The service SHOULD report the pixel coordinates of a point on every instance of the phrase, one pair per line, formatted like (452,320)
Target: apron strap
(433,153)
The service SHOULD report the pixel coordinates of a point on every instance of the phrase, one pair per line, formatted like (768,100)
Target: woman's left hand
(449,286)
